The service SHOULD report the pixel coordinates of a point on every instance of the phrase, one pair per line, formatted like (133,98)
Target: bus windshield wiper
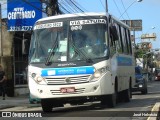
(89,60)
(55,45)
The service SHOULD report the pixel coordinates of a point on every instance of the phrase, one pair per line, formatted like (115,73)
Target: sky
(3,6)
(147,11)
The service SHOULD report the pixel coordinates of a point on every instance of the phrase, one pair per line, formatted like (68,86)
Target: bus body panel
(116,69)
(96,88)
(87,89)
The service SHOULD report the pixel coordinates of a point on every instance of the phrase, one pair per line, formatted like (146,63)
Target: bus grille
(64,81)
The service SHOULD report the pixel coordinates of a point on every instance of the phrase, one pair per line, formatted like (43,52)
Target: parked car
(157,74)
(141,81)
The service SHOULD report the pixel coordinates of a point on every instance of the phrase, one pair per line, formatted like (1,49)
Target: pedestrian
(2,82)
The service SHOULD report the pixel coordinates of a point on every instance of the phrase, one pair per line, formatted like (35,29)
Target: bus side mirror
(114,33)
(25,46)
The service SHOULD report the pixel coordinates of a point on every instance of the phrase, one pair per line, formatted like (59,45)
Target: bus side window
(112,42)
(118,41)
(125,49)
(113,31)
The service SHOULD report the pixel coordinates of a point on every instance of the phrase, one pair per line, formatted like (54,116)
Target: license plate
(67,90)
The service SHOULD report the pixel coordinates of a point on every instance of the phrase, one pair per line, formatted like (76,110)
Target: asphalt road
(139,105)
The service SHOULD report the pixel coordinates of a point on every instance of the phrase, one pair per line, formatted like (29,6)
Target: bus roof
(82,14)
(72,15)
(120,22)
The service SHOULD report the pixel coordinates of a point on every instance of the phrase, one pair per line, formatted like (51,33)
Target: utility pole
(106,6)
(1,42)
(134,41)
(52,7)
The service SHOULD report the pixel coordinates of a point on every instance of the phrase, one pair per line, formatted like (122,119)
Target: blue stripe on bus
(67,71)
(124,61)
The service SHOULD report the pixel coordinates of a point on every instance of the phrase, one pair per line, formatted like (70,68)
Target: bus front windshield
(63,41)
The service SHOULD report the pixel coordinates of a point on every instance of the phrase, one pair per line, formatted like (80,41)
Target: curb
(11,106)
(11,102)
(6,106)
(155,110)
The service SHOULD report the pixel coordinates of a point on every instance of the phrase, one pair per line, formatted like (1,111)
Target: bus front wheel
(46,106)
(109,100)
(112,100)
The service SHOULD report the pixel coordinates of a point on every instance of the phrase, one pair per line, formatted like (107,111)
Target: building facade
(13,61)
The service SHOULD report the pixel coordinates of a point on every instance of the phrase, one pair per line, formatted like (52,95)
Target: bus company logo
(68,80)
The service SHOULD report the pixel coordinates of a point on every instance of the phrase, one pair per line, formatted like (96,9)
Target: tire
(128,94)
(104,100)
(46,106)
(109,100)
(112,100)
(145,91)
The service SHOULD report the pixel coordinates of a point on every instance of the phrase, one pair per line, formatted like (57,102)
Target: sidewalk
(9,102)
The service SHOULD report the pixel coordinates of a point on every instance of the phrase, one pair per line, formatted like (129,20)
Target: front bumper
(139,86)
(54,91)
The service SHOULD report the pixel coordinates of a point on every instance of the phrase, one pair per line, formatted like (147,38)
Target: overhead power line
(67,6)
(102,5)
(76,6)
(33,6)
(80,5)
(117,8)
(125,9)
(70,6)
(63,8)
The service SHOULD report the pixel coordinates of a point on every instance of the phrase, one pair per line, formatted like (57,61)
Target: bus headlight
(37,78)
(98,73)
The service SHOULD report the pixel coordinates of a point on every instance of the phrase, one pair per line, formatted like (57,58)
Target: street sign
(135,25)
(22,14)
(149,36)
